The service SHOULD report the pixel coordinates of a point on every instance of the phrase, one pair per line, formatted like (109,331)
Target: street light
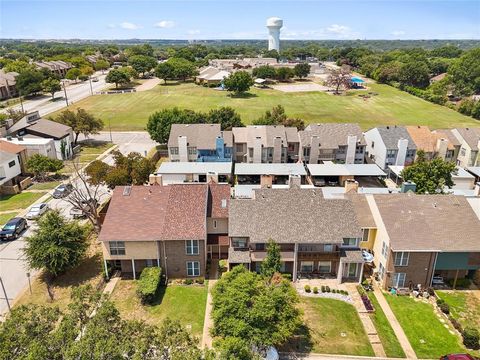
(65,92)
(90,79)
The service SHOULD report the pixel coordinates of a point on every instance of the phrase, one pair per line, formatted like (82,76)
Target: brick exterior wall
(419,270)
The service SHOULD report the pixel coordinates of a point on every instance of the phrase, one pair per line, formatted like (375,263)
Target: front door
(352,270)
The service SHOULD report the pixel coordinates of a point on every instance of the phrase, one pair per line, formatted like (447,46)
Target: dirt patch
(148,85)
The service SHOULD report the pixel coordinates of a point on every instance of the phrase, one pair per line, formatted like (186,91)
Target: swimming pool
(357,80)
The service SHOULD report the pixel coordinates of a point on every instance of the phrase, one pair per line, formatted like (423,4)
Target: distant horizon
(232,40)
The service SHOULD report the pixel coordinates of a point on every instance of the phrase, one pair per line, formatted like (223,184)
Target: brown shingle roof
(424,139)
(362,210)
(429,222)
(173,212)
(11,147)
(218,200)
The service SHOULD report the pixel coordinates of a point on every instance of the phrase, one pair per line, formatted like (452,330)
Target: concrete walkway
(208,322)
(366,321)
(397,329)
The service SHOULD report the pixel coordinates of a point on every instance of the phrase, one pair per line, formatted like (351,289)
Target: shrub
(307,288)
(188,281)
(456,324)
(287,276)
(323,288)
(327,288)
(222,265)
(431,291)
(445,308)
(361,291)
(148,283)
(200,280)
(440,301)
(471,338)
(315,290)
(334,291)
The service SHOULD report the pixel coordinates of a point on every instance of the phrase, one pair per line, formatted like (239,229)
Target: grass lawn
(390,106)
(49,185)
(385,332)
(177,302)
(6,216)
(331,327)
(19,201)
(464,306)
(90,271)
(89,151)
(427,335)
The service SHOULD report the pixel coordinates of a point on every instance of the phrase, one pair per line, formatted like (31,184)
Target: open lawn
(464,306)
(185,303)
(390,106)
(19,201)
(427,335)
(6,216)
(89,151)
(384,329)
(331,327)
(49,185)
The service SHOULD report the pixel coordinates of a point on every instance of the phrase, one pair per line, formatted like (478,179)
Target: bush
(323,288)
(200,281)
(440,301)
(455,324)
(327,288)
(222,265)
(287,276)
(471,338)
(431,291)
(445,308)
(148,283)
(307,288)
(315,290)
(188,281)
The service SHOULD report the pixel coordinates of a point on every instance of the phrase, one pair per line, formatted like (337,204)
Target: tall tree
(29,82)
(165,71)
(160,122)
(81,122)
(264,72)
(238,82)
(226,116)
(73,74)
(340,78)
(142,63)
(118,77)
(414,73)
(51,86)
(277,116)
(102,65)
(272,263)
(40,165)
(302,70)
(284,73)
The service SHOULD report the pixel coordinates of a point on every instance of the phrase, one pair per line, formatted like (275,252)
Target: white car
(37,210)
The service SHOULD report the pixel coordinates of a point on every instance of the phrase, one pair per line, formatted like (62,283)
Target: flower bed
(366,301)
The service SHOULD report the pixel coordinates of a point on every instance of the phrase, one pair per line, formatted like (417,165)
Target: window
(239,242)
(381,270)
(359,150)
(214,224)
(239,147)
(401,258)
(399,280)
(149,263)
(410,153)
(324,266)
(174,150)
(191,247)
(350,242)
(260,247)
(306,151)
(384,249)
(306,266)
(193,268)
(391,153)
(365,235)
(463,151)
(117,247)
(11,163)
(192,151)
(328,247)
(373,144)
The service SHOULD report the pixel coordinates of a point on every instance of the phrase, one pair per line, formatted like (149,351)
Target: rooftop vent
(224,203)
(127,190)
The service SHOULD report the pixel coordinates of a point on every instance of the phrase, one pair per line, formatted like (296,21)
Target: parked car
(13,228)
(95,79)
(77,212)
(457,357)
(437,280)
(62,190)
(37,210)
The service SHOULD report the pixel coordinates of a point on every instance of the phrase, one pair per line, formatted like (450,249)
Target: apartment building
(470,146)
(265,144)
(57,67)
(8,88)
(326,245)
(199,142)
(342,143)
(165,226)
(452,140)
(434,145)
(390,145)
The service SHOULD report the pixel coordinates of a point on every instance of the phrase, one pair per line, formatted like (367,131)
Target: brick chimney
(155,179)
(266,181)
(351,185)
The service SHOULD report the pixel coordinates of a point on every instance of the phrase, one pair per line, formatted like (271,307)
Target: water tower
(274,24)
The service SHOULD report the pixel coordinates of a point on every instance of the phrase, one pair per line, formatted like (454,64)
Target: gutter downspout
(433,270)
(165,259)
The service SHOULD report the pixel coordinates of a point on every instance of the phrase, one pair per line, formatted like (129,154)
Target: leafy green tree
(284,73)
(238,82)
(226,116)
(246,306)
(429,176)
(102,65)
(182,68)
(233,348)
(118,77)
(19,66)
(142,63)
(73,74)
(29,82)
(387,72)
(447,51)
(302,70)
(144,49)
(272,263)
(97,172)
(86,71)
(271,54)
(57,245)
(160,122)
(51,86)
(414,73)
(277,116)
(81,122)
(264,72)
(41,165)
(465,73)
(165,71)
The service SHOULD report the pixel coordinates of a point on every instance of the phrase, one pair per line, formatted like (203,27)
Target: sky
(229,19)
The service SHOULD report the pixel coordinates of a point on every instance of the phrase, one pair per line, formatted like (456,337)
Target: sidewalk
(397,329)
(208,322)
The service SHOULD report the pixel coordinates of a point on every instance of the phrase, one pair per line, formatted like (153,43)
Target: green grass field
(390,106)
(464,306)
(427,335)
(5,217)
(19,201)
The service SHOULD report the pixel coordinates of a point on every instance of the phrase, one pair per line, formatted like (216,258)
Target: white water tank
(274,24)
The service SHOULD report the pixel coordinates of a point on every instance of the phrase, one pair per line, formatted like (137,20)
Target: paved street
(75,92)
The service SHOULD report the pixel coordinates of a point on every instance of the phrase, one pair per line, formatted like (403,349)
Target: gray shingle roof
(293,216)
(50,128)
(391,134)
(266,132)
(332,135)
(202,136)
(471,136)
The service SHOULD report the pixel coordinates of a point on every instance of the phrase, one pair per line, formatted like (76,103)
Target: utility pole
(110,127)
(65,92)
(90,80)
(5,294)
(21,104)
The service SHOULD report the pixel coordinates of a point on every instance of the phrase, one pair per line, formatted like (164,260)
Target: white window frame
(401,258)
(384,249)
(323,263)
(350,245)
(194,266)
(381,270)
(190,246)
(399,280)
(306,263)
(328,248)
(117,247)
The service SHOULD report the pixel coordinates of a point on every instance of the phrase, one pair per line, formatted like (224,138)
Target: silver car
(37,210)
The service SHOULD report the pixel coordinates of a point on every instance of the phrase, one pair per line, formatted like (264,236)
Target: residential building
(8,87)
(197,172)
(218,204)
(433,144)
(211,76)
(57,67)
(33,126)
(452,141)
(199,142)
(390,145)
(165,226)
(316,235)
(45,147)
(422,236)
(341,143)
(470,146)
(12,165)
(265,144)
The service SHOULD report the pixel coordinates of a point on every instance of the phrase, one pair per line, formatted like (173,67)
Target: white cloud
(193,32)
(398,33)
(165,24)
(338,29)
(129,26)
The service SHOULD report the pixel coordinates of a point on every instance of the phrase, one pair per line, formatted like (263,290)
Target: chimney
(402,152)
(183,148)
(351,148)
(277,149)
(476,191)
(257,150)
(408,186)
(212,176)
(294,181)
(351,185)
(314,149)
(266,181)
(442,145)
(155,179)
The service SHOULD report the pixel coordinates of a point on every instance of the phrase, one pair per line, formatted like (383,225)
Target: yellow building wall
(370,243)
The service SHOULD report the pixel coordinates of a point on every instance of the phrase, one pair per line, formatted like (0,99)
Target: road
(75,92)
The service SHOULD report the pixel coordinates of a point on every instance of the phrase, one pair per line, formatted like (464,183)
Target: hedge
(148,283)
